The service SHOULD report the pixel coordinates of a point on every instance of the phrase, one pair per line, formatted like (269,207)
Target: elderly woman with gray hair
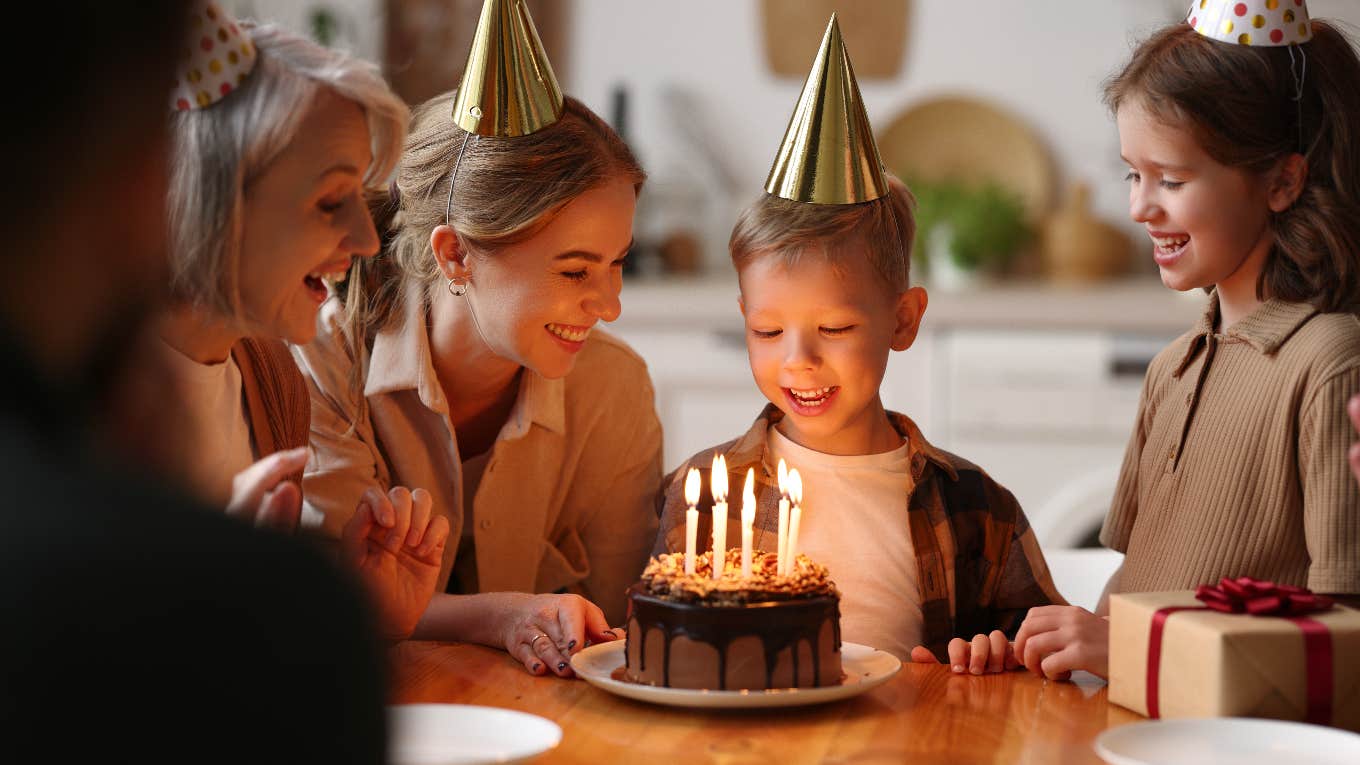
(275,141)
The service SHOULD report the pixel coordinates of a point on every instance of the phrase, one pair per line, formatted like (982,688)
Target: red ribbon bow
(1259,598)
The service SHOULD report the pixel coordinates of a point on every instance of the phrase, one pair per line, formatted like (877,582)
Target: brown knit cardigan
(278,403)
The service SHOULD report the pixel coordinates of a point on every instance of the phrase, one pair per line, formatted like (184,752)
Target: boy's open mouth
(811,400)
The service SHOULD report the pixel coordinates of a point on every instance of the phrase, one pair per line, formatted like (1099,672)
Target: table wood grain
(925,715)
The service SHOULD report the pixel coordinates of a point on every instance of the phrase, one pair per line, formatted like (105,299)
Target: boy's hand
(986,654)
(1055,640)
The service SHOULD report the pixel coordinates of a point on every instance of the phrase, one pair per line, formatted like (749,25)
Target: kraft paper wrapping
(1228,665)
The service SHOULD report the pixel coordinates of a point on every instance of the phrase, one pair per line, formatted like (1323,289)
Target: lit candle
(691,517)
(719,487)
(795,518)
(782,548)
(748,519)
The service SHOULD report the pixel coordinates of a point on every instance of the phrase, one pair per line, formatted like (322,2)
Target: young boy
(924,546)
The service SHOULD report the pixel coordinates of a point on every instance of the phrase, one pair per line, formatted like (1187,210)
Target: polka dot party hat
(216,60)
(1252,22)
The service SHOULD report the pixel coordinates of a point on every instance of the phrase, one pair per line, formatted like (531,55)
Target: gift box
(1261,651)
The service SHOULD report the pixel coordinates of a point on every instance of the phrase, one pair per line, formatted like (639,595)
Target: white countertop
(1136,305)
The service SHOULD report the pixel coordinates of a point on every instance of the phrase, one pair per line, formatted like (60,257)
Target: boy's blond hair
(788,230)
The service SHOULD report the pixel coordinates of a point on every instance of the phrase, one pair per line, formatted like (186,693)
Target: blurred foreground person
(137,626)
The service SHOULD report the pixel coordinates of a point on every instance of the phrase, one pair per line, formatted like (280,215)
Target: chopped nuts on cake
(665,578)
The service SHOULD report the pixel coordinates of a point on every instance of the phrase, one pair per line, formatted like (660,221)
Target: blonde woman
(465,358)
(266,201)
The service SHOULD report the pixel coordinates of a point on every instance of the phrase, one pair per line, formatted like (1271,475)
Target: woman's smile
(570,336)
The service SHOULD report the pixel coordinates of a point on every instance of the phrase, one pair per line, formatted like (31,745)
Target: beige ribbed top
(1237,463)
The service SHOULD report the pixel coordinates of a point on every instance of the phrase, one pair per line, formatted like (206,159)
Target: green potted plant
(962,229)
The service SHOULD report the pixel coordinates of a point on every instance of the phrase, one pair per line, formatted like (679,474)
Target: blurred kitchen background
(1045,307)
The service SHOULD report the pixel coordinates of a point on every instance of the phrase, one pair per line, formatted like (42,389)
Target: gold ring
(537,637)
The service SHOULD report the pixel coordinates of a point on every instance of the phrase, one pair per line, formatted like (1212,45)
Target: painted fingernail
(571,644)
(561,665)
(537,666)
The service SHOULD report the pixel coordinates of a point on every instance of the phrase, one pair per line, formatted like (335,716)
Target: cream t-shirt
(219,436)
(854,522)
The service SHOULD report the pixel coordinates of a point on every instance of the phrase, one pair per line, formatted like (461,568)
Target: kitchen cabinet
(1036,384)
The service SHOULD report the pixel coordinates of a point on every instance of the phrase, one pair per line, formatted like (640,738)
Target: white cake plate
(864,668)
(1227,741)
(459,734)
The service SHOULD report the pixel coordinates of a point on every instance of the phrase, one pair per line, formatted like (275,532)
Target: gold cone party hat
(1269,23)
(508,86)
(217,58)
(828,156)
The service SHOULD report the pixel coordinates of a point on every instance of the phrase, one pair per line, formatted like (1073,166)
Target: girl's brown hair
(777,227)
(506,190)
(1239,103)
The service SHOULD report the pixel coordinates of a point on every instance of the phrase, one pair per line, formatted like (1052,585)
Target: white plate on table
(864,668)
(1235,740)
(459,734)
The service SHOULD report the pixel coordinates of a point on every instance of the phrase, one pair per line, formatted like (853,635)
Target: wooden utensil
(875,33)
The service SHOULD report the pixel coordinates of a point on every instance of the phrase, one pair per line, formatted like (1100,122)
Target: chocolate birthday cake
(768,631)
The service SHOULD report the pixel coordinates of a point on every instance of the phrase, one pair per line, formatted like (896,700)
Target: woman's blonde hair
(506,190)
(788,230)
(219,151)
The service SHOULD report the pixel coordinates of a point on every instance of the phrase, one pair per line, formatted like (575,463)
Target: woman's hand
(260,495)
(396,549)
(543,631)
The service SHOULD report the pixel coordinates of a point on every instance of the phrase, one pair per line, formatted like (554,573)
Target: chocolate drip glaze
(778,624)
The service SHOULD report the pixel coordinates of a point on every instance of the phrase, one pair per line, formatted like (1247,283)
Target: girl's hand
(396,549)
(544,631)
(986,654)
(260,495)
(1055,640)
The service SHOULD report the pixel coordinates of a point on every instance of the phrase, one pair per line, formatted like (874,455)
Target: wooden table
(924,715)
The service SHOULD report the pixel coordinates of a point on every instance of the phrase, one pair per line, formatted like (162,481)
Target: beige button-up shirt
(566,499)
(1237,463)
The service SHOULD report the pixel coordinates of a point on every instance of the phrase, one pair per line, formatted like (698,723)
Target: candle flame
(719,479)
(692,487)
(795,487)
(748,498)
(783,475)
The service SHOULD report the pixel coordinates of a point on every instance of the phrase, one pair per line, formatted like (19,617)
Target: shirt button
(485,523)
(1170,454)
